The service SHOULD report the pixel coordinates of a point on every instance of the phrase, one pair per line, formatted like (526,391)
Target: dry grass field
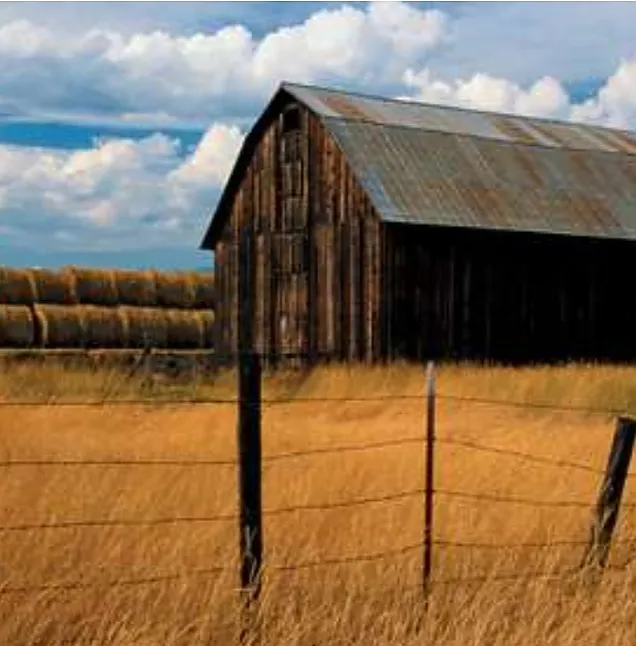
(122,582)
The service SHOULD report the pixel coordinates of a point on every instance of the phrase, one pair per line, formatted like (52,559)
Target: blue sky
(119,122)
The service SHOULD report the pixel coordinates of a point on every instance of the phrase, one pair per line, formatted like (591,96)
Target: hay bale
(147,327)
(175,289)
(136,288)
(16,326)
(94,286)
(59,326)
(104,327)
(185,329)
(203,290)
(16,286)
(207,321)
(55,287)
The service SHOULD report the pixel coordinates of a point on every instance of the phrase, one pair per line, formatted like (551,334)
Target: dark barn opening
(363,229)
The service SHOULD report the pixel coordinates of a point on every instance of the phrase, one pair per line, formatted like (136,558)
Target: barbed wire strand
(347,560)
(325,399)
(118,463)
(486,497)
(530,405)
(219,518)
(509,576)
(529,457)
(81,524)
(443,543)
(137,581)
(275,457)
(348,448)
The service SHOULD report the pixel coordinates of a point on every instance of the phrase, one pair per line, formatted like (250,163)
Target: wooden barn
(361,228)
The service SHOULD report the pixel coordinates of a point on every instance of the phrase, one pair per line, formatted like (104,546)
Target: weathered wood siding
(314,251)
(326,280)
(520,298)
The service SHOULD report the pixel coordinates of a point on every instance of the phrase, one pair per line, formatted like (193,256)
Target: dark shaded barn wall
(312,265)
(508,297)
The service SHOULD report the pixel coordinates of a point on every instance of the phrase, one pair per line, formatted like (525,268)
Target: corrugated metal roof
(423,116)
(442,166)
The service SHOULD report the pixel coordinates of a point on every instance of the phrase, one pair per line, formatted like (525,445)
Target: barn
(362,228)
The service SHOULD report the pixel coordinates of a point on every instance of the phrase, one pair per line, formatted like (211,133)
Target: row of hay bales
(81,286)
(92,326)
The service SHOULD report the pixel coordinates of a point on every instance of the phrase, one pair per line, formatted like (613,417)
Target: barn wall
(506,297)
(302,247)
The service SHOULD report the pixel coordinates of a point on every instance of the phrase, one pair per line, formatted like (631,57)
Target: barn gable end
(314,245)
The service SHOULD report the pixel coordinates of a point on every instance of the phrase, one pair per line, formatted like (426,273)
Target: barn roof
(442,166)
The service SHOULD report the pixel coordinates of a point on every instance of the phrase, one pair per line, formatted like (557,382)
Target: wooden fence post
(611,492)
(427,560)
(249,465)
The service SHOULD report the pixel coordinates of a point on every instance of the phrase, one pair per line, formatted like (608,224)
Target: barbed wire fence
(251,518)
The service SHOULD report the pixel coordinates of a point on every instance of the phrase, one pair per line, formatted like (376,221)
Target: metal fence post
(249,464)
(427,560)
(611,492)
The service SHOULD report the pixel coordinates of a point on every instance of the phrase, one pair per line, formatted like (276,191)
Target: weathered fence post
(611,492)
(249,465)
(427,559)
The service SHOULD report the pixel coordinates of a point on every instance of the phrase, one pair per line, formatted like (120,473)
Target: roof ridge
(285,85)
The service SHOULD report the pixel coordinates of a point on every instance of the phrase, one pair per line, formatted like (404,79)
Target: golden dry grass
(365,603)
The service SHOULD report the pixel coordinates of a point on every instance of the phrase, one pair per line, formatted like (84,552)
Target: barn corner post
(610,494)
(249,449)
(427,560)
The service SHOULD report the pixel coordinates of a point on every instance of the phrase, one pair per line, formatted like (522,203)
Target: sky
(120,121)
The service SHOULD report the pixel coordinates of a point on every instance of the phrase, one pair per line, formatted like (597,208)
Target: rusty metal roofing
(443,166)
(520,130)
(440,166)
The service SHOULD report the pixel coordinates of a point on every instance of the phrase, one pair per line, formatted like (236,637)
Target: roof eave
(222,210)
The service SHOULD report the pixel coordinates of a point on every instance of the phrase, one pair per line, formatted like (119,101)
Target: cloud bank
(119,194)
(126,193)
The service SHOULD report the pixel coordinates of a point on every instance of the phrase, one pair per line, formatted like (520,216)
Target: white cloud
(615,103)
(203,74)
(210,162)
(545,98)
(135,193)
(118,193)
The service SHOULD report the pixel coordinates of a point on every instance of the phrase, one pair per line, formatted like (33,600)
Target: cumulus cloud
(142,193)
(545,98)
(195,76)
(615,102)
(119,193)
(613,105)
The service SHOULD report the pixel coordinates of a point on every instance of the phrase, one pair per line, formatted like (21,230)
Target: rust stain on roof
(521,130)
(441,179)
(346,107)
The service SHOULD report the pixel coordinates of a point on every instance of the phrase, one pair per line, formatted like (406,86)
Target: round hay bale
(136,288)
(207,321)
(175,289)
(16,326)
(204,290)
(147,327)
(185,329)
(60,326)
(55,287)
(94,286)
(104,327)
(16,286)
